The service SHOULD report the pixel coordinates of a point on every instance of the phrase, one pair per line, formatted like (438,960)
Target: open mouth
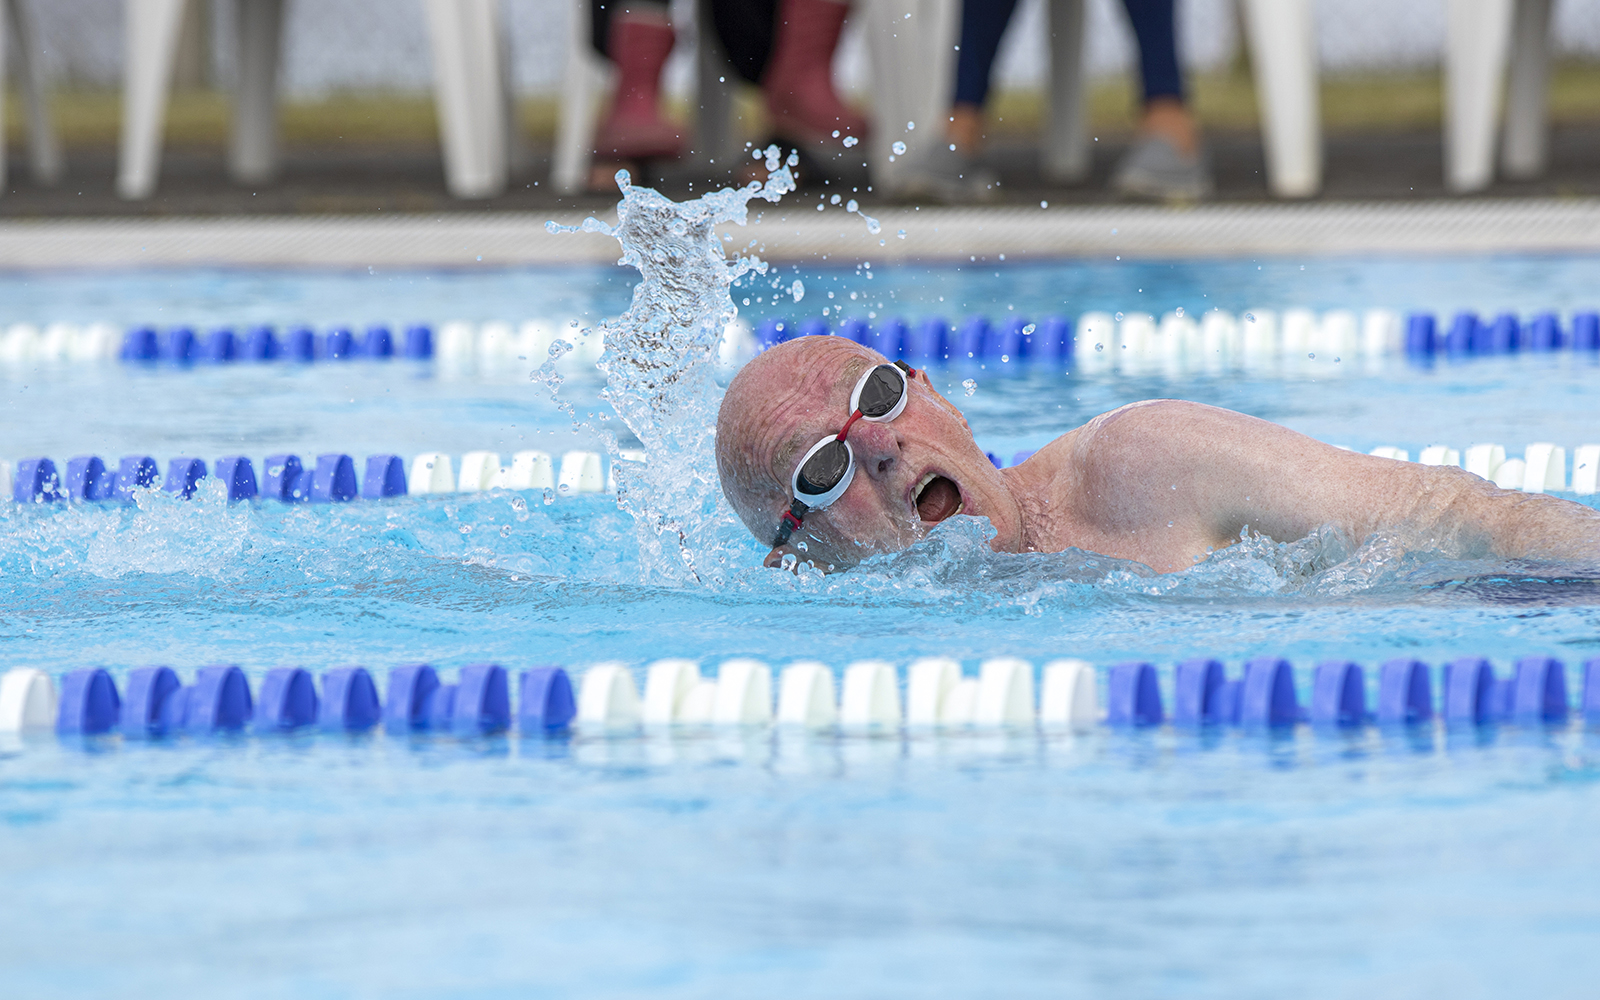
(937,498)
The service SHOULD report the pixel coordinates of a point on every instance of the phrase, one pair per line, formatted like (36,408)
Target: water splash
(659,361)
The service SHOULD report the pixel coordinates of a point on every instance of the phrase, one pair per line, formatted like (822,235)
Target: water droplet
(798,290)
(1027,331)
(1249,317)
(1118,317)
(952,147)
(849,141)
(901,234)
(834,200)
(852,206)
(836,133)
(898,147)
(505,531)
(1313,357)
(1179,312)
(969,384)
(1005,359)
(1044,204)
(1099,347)
(912,127)
(549,497)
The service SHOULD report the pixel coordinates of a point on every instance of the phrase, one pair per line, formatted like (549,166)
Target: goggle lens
(882,391)
(823,470)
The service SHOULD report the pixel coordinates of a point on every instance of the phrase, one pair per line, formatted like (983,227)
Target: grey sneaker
(947,176)
(1154,168)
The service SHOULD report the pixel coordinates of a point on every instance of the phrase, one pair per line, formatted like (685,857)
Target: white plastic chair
(470,86)
(588,76)
(44,152)
(1485,38)
(913,80)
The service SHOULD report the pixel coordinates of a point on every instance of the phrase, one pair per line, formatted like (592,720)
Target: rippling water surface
(1155,864)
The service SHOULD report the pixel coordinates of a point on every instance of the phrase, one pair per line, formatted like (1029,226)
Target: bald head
(759,435)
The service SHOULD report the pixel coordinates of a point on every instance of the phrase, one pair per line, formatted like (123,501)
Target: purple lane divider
(143,706)
(288,699)
(1268,697)
(545,700)
(349,699)
(89,703)
(1540,690)
(1339,694)
(1405,693)
(1194,696)
(1469,690)
(411,690)
(1134,697)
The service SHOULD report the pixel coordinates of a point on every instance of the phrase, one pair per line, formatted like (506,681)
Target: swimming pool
(708,861)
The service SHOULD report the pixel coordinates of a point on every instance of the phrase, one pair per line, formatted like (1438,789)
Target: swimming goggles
(825,472)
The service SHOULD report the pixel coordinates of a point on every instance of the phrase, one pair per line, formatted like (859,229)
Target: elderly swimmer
(832,454)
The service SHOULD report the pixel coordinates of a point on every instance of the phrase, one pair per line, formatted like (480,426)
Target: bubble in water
(1249,317)
(849,141)
(901,234)
(852,206)
(1118,317)
(797,290)
(969,384)
(834,200)
(1313,357)
(898,147)
(505,531)
(1178,312)
(549,497)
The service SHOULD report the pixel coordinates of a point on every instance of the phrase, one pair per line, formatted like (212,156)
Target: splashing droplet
(1118,317)
(798,290)
(1249,317)
(1178,312)
(969,384)
(849,141)
(898,147)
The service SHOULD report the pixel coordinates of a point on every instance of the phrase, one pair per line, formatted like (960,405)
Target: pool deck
(499,239)
(385,207)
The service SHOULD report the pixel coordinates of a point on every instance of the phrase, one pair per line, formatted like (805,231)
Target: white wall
(382,44)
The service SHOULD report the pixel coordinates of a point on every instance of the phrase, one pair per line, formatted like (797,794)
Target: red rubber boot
(635,130)
(799,79)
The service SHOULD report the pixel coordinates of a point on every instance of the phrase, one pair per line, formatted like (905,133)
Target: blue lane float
(1134,696)
(1540,690)
(183,475)
(36,482)
(144,711)
(933,341)
(332,480)
(482,700)
(349,700)
(1469,684)
(545,700)
(1405,693)
(411,692)
(135,472)
(89,704)
(288,699)
(1268,696)
(1196,684)
(239,476)
(1338,694)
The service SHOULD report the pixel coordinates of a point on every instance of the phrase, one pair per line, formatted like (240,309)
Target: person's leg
(1165,111)
(1166,161)
(638,37)
(798,80)
(983,22)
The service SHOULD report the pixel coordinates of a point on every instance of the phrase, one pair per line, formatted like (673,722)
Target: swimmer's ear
(922,373)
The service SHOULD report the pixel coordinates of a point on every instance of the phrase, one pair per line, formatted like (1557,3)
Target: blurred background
(359,129)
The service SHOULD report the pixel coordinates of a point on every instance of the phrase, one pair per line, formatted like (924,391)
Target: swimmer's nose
(877,448)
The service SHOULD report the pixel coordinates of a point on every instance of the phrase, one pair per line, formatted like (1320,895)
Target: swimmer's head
(910,473)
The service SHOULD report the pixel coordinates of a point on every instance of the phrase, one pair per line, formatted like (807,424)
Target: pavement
(368,179)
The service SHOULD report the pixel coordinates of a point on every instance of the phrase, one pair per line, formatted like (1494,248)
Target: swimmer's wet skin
(1162,482)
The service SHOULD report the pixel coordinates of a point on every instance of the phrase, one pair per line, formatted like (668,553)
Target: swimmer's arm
(1223,471)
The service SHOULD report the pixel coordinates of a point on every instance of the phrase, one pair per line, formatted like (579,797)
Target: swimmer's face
(911,473)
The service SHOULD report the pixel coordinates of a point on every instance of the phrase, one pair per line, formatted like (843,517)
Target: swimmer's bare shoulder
(1166,481)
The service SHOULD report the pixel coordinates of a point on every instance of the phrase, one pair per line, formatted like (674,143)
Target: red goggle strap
(789,522)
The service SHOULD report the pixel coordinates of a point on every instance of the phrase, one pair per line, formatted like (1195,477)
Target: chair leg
(913,79)
(1066,146)
(253,154)
(1526,148)
(1283,49)
(467,88)
(44,151)
(569,168)
(152,45)
(715,82)
(1478,34)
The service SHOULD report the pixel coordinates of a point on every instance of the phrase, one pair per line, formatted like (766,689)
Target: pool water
(1152,863)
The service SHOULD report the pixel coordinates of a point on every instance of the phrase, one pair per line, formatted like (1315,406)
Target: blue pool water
(1158,863)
